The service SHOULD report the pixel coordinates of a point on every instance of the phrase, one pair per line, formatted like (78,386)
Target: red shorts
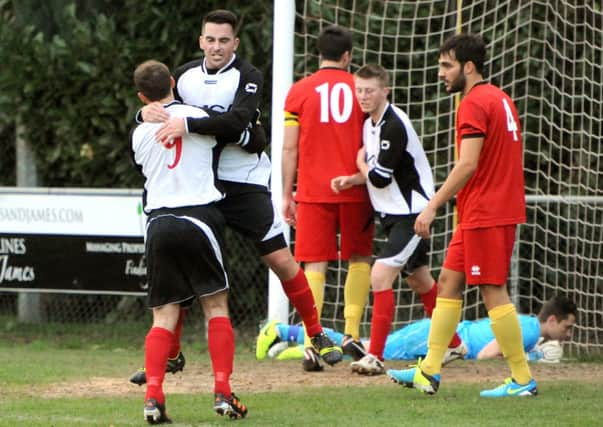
(483,254)
(317,226)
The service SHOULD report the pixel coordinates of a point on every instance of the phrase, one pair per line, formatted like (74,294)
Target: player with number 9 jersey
(495,194)
(181,173)
(330,120)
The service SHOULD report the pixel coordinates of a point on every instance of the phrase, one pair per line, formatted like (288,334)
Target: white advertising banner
(72,240)
(90,214)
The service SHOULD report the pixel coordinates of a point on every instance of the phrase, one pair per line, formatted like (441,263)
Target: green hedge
(67,77)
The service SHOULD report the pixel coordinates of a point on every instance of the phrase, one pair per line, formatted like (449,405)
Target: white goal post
(548,56)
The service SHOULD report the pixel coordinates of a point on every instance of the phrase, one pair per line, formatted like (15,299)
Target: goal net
(548,56)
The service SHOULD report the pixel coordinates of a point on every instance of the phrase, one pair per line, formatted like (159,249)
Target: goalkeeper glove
(551,351)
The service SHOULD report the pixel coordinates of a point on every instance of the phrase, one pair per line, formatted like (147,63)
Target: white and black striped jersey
(234,90)
(180,174)
(399,180)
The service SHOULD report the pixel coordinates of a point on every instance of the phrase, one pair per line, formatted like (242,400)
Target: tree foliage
(67,77)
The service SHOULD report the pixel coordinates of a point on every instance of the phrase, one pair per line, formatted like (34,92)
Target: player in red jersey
(323,128)
(489,184)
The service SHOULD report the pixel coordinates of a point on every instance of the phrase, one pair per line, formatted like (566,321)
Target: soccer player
(489,184)
(399,181)
(323,124)
(184,236)
(226,84)
(542,336)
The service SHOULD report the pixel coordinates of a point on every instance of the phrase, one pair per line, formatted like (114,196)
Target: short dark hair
(152,79)
(221,16)
(370,71)
(333,41)
(466,47)
(560,307)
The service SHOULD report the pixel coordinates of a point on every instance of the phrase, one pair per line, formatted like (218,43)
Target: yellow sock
(356,291)
(316,280)
(505,325)
(444,320)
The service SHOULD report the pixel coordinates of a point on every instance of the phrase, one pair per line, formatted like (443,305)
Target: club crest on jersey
(251,88)
(385,144)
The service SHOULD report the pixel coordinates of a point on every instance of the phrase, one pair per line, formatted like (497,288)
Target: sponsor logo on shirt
(385,144)
(475,270)
(251,88)
(210,82)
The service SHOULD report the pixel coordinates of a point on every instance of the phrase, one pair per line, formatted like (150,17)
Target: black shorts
(403,248)
(183,250)
(248,209)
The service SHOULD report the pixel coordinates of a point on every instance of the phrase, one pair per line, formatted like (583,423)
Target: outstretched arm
(239,125)
(252,139)
(233,122)
(490,351)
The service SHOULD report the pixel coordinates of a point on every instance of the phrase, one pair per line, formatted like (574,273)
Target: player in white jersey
(184,236)
(229,88)
(398,176)
(189,178)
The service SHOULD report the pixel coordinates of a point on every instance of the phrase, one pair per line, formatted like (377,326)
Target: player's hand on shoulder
(154,113)
(171,129)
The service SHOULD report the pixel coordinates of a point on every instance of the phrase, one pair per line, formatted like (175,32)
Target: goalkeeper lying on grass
(542,336)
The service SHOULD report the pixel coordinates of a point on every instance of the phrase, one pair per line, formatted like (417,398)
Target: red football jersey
(495,194)
(330,134)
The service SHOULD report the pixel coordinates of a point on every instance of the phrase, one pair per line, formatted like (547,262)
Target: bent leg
(445,319)
(296,287)
(175,350)
(422,282)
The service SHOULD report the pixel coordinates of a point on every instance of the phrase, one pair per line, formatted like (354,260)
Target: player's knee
(450,283)
(419,284)
(215,305)
(383,276)
(282,263)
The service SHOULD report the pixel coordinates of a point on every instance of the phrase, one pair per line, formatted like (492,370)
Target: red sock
(455,341)
(381,323)
(299,293)
(175,349)
(157,346)
(429,299)
(429,303)
(221,346)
